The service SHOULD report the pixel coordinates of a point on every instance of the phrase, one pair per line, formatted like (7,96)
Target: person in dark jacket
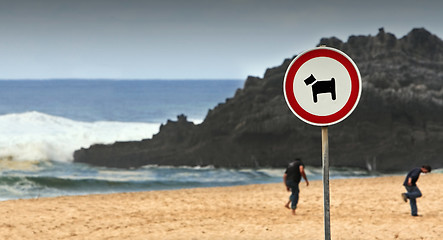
(293,174)
(411,187)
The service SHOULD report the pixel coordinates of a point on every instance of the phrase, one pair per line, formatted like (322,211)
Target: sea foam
(35,136)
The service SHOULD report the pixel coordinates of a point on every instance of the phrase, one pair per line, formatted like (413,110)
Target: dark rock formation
(398,123)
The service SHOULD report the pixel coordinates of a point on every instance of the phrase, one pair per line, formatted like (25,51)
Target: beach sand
(369,208)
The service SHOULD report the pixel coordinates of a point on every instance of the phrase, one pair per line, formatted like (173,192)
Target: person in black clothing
(411,187)
(291,179)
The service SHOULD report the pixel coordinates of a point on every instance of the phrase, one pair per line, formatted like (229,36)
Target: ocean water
(43,122)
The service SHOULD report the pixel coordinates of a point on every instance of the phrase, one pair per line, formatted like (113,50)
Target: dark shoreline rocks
(398,123)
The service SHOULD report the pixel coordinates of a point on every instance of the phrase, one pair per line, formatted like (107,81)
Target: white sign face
(322,86)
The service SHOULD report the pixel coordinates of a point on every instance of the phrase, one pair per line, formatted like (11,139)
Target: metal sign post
(322,87)
(325,161)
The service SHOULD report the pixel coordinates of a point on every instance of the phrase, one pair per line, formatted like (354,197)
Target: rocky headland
(397,125)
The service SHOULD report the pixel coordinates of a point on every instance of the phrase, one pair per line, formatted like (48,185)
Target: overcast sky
(185,39)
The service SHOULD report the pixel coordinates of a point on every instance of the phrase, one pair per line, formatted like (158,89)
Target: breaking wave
(35,136)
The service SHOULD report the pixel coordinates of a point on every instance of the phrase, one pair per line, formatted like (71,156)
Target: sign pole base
(325,163)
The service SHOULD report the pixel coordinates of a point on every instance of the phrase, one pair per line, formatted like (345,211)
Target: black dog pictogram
(324,86)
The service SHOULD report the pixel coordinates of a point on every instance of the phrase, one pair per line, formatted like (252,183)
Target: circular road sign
(322,86)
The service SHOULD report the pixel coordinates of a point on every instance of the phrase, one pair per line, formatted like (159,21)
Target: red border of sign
(355,86)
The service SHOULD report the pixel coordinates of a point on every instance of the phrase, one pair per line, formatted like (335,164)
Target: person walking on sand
(291,179)
(411,187)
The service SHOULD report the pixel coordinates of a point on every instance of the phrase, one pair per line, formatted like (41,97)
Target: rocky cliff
(398,123)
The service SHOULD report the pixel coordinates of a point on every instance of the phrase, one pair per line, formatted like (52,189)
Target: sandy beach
(368,208)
